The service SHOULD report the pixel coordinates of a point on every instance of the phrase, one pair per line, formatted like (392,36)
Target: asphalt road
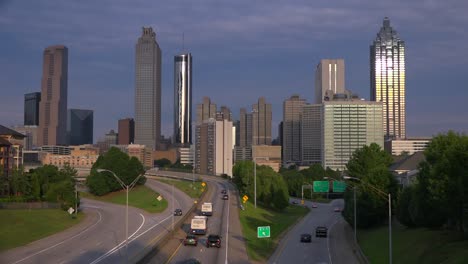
(224,222)
(333,249)
(100,238)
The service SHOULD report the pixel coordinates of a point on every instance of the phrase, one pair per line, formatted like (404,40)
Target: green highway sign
(263,231)
(339,186)
(321,186)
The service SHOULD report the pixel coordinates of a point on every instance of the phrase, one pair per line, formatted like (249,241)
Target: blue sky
(241,50)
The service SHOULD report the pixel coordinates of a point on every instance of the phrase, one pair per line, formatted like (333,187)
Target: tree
(162,163)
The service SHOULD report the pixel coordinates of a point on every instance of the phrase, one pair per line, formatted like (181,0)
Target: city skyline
(250,64)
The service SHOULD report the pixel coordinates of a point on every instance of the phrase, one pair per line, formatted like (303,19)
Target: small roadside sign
(263,231)
(71,210)
(245,198)
(203,184)
(159,198)
(302,201)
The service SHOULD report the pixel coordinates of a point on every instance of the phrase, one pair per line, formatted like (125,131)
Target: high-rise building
(31,109)
(54,89)
(183,99)
(126,131)
(223,150)
(387,77)
(80,127)
(224,113)
(291,142)
(205,110)
(245,128)
(261,123)
(311,134)
(147,90)
(329,79)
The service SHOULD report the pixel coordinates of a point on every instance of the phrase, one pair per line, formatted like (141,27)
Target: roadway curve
(333,249)
(100,238)
(224,222)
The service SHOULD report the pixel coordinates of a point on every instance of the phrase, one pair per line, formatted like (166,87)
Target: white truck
(207,209)
(198,225)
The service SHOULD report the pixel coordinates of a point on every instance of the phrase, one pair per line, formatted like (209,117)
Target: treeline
(46,183)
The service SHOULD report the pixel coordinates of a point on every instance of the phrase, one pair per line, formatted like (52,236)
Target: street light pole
(390,227)
(354,194)
(127,188)
(255,182)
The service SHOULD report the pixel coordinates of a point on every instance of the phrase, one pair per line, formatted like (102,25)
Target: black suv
(213,241)
(177,212)
(321,231)
(306,238)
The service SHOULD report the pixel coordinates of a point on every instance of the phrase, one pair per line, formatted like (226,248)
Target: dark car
(337,209)
(321,231)
(224,191)
(191,240)
(306,238)
(178,212)
(225,197)
(213,241)
(294,202)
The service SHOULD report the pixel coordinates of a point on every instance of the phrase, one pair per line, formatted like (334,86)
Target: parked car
(321,231)
(191,240)
(225,197)
(213,241)
(306,238)
(177,212)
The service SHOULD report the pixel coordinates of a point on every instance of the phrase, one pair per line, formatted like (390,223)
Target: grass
(140,197)
(20,227)
(417,245)
(260,249)
(185,186)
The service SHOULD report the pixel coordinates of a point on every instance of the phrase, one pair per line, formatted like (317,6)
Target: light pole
(385,196)
(255,182)
(127,188)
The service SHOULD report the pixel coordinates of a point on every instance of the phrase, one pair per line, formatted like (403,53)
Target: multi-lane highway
(101,236)
(332,249)
(224,222)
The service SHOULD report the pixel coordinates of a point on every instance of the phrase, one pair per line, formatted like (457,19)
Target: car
(294,202)
(306,238)
(190,240)
(337,209)
(225,197)
(314,205)
(321,231)
(190,261)
(213,241)
(177,212)
(224,191)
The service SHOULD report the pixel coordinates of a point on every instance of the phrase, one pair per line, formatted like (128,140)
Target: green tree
(162,163)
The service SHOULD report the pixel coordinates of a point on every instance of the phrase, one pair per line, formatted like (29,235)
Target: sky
(241,50)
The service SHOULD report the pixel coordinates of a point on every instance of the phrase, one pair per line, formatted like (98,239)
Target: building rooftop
(408,163)
(5,131)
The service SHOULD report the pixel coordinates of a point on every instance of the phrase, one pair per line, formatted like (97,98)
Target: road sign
(203,184)
(321,186)
(71,210)
(159,198)
(263,231)
(302,201)
(339,186)
(245,198)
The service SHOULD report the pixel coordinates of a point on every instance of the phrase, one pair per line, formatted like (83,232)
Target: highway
(224,222)
(333,249)
(100,238)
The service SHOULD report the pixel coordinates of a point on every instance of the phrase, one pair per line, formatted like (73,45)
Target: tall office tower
(311,134)
(79,127)
(223,150)
(205,147)
(387,77)
(205,110)
(291,141)
(31,109)
(261,123)
(245,128)
(329,79)
(126,131)
(147,90)
(183,100)
(224,114)
(236,124)
(54,89)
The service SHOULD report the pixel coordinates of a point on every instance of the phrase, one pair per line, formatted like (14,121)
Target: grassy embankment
(260,249)
(19,227)
(193,191)
(418,245)
(140,197)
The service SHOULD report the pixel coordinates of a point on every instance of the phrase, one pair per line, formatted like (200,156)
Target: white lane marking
(227,233)
(116,248)
(328,241)
(108,253)
(46,249)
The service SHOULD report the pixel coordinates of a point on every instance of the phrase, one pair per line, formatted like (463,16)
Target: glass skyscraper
(79,127)
(147,90)
(183,99)
(387,73)
(31,109)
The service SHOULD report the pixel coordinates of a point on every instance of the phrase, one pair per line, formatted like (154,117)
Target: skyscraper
(291,142)
(245,128)
(54,89)
(31,109)
(206,110)
(183,99)
(79,127)
(147,90)
(387,77)
(126,131)
(261,123)
(329,79)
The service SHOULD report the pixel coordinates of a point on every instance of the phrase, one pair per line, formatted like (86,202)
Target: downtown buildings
(183,100)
